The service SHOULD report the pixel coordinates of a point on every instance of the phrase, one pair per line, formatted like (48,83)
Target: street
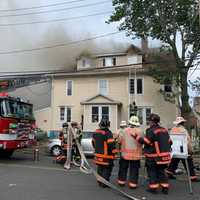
(25,179)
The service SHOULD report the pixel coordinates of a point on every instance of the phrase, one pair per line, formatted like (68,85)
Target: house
(106,85)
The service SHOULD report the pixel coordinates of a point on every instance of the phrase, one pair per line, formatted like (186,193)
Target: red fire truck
(16,124)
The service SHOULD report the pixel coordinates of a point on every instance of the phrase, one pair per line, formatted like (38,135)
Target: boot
(165,190)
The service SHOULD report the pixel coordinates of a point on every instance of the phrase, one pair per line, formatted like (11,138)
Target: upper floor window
(136,86)
(132,60)
(167,88)
(103,87)
(65,114)
(83,63)
(109,61)
(69,87)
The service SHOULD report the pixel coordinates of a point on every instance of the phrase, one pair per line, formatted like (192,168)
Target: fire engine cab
(16,124)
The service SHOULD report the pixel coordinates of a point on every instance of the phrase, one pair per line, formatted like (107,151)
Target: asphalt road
(24,179)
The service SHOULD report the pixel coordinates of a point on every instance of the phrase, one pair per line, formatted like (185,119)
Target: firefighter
(157,146)
(118,134)
(131,152)
(104,146)
(180,129)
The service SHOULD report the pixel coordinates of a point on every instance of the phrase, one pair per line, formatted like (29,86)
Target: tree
(165,20)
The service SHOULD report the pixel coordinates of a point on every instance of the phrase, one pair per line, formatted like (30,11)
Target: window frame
(107,86)
(100,112)
(65,116)
(136,86)
(167,85)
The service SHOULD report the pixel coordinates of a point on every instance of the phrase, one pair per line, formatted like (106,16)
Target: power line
(42,6)
(54,20)
(58,45)
(56,10)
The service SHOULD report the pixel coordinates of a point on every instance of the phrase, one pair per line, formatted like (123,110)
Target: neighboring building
(105,86)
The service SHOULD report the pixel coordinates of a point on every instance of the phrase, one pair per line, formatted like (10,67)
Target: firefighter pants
(105,170)
(156,174)
(133,167)
(174,165)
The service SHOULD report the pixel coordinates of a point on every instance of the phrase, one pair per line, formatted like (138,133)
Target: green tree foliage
(165,20)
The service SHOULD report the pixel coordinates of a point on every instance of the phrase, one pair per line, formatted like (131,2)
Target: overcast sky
(46,34)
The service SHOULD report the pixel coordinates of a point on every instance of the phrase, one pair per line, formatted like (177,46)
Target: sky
(30,36)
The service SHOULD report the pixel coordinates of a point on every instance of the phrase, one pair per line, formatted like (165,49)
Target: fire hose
(85,167)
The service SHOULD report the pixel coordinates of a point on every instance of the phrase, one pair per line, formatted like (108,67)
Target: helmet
(104,123)
(65,125)
(134,121)
(154,118)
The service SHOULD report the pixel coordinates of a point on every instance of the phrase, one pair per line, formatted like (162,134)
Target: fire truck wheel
(6,153)
(56,150)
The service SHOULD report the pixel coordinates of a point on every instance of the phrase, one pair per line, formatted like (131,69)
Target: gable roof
(100,99)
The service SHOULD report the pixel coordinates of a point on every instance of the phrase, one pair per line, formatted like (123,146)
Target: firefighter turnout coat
(130,148)
(104,146)
(157,144)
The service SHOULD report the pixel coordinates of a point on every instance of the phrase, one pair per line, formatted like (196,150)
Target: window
(65,114)
(132,60)
(86,62)
(143,115)
(103,87)
(95,114)
(132,86)
(99,112)
(139,86)
(109,61)
(136,85)
(105,112)
(167,88)
(113,61)
(69,87)
(83,62)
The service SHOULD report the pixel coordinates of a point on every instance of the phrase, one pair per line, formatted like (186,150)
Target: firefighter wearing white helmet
(131,152)
(179,128)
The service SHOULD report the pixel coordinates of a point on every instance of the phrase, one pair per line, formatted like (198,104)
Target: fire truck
(17,124)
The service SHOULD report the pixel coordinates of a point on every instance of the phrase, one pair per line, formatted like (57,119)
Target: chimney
(144,45)
(144,48)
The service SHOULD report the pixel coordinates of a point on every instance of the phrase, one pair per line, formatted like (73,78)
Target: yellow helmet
(134,121)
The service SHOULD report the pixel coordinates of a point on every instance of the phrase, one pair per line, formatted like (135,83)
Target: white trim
(8,136)
(107,86)
(65,113)
(99,112)
(135,86)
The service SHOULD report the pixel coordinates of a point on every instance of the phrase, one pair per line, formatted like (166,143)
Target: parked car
(86,143)
(54,143)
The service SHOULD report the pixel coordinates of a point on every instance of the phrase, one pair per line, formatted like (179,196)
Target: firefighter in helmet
(131,152)
(104,146)
(179,128)
(157,145)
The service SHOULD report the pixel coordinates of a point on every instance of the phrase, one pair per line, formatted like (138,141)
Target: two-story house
(104,86)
